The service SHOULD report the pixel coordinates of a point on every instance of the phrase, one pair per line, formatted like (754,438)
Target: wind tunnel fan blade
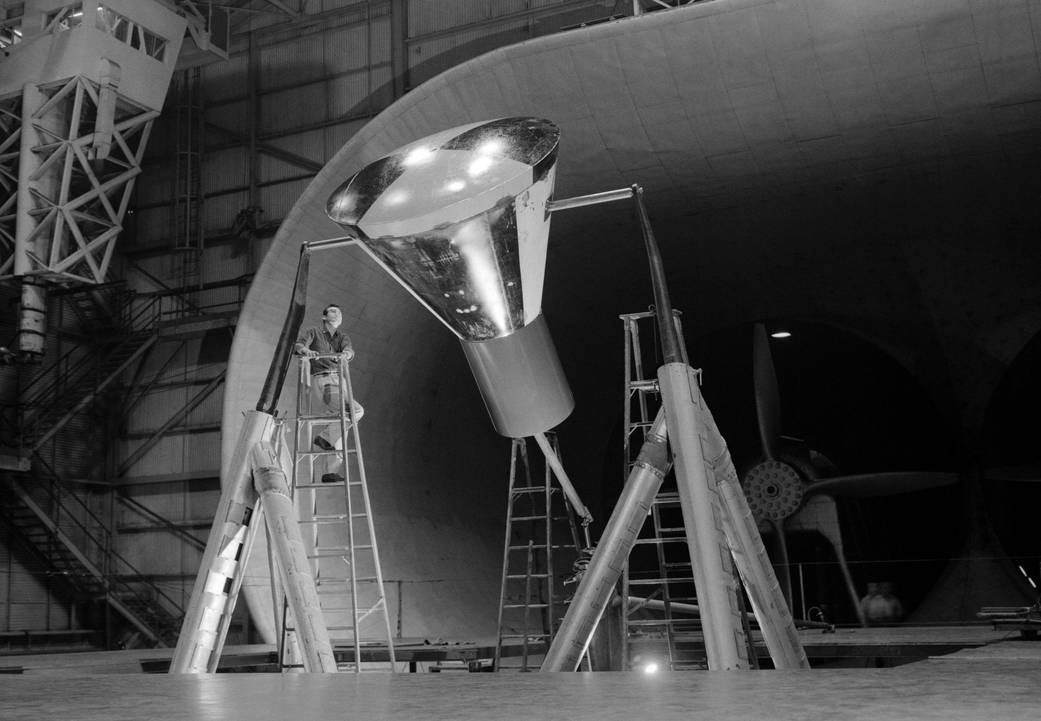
(1030,473)
(867,485)
(767,397)
(820,514)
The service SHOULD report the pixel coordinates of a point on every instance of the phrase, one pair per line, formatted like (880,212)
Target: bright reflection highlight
(650,667)
(454,186)
(480,165)
(781,334)
(418,156)
(490,147)
(396,197)
(472,240)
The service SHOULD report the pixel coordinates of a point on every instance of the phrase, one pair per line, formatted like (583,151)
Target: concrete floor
(997,679)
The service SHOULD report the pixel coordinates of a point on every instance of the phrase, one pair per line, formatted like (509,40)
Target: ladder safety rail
(535,558)
(333,509)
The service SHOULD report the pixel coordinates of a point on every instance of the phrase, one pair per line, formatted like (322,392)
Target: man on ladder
(327,386)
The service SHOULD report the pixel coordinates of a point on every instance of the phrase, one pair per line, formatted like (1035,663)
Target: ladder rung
(527,575)
(524,635)
(533,546)
(528,518)
(644,384)
(526,605)
(324,520)
(533,489)
(325,453)
(657,541)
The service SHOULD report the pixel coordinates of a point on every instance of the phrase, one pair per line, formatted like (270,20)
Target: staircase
(52,523)
(78,378)
(61,532)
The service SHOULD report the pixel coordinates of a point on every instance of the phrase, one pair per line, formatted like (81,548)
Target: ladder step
(324,520)
(648,384)
(524,635)
(527,575)
(528,518)
(534,547)
(526,605)
(534,489)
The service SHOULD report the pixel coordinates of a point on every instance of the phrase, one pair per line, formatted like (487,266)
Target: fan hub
(774,490)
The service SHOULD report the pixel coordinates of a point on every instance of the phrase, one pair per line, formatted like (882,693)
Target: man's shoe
(332,478)
(323,444)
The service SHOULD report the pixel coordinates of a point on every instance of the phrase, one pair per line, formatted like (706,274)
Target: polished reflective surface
(460,218)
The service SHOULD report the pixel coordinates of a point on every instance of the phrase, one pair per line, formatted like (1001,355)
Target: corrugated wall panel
(431,57)
(203,453)
(155,184)
(220,211)
(167,456)
(223,261)
(293,62)
(426,16)
(293,107)
(381,39)
(346,49)
(337,135)
(225,79)
(27,616)
(153,225)
(228,116)
(154,409)
(347,95)
(225,169)
(278,199)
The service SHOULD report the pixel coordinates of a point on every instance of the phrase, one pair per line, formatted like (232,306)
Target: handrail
(161,519)
(106,550)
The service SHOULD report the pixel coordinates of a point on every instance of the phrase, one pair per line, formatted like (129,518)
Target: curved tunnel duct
(770,197)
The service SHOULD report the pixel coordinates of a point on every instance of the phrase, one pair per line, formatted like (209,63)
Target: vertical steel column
(32,321)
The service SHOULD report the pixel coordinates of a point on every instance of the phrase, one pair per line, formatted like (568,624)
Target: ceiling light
(780,334)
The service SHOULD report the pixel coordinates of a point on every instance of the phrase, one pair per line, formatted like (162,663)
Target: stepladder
(660,624)
(331,497)
(540,552)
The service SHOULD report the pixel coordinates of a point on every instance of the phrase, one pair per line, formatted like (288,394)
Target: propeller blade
(866,485)
(767,397)
(1021,474)
(820,514)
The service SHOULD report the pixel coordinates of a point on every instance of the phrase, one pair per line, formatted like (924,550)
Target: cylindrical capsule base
(521,380)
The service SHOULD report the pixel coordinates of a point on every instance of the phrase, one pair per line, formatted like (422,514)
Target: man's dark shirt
(318,339)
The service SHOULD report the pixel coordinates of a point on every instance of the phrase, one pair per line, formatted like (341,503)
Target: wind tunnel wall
(801,158)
